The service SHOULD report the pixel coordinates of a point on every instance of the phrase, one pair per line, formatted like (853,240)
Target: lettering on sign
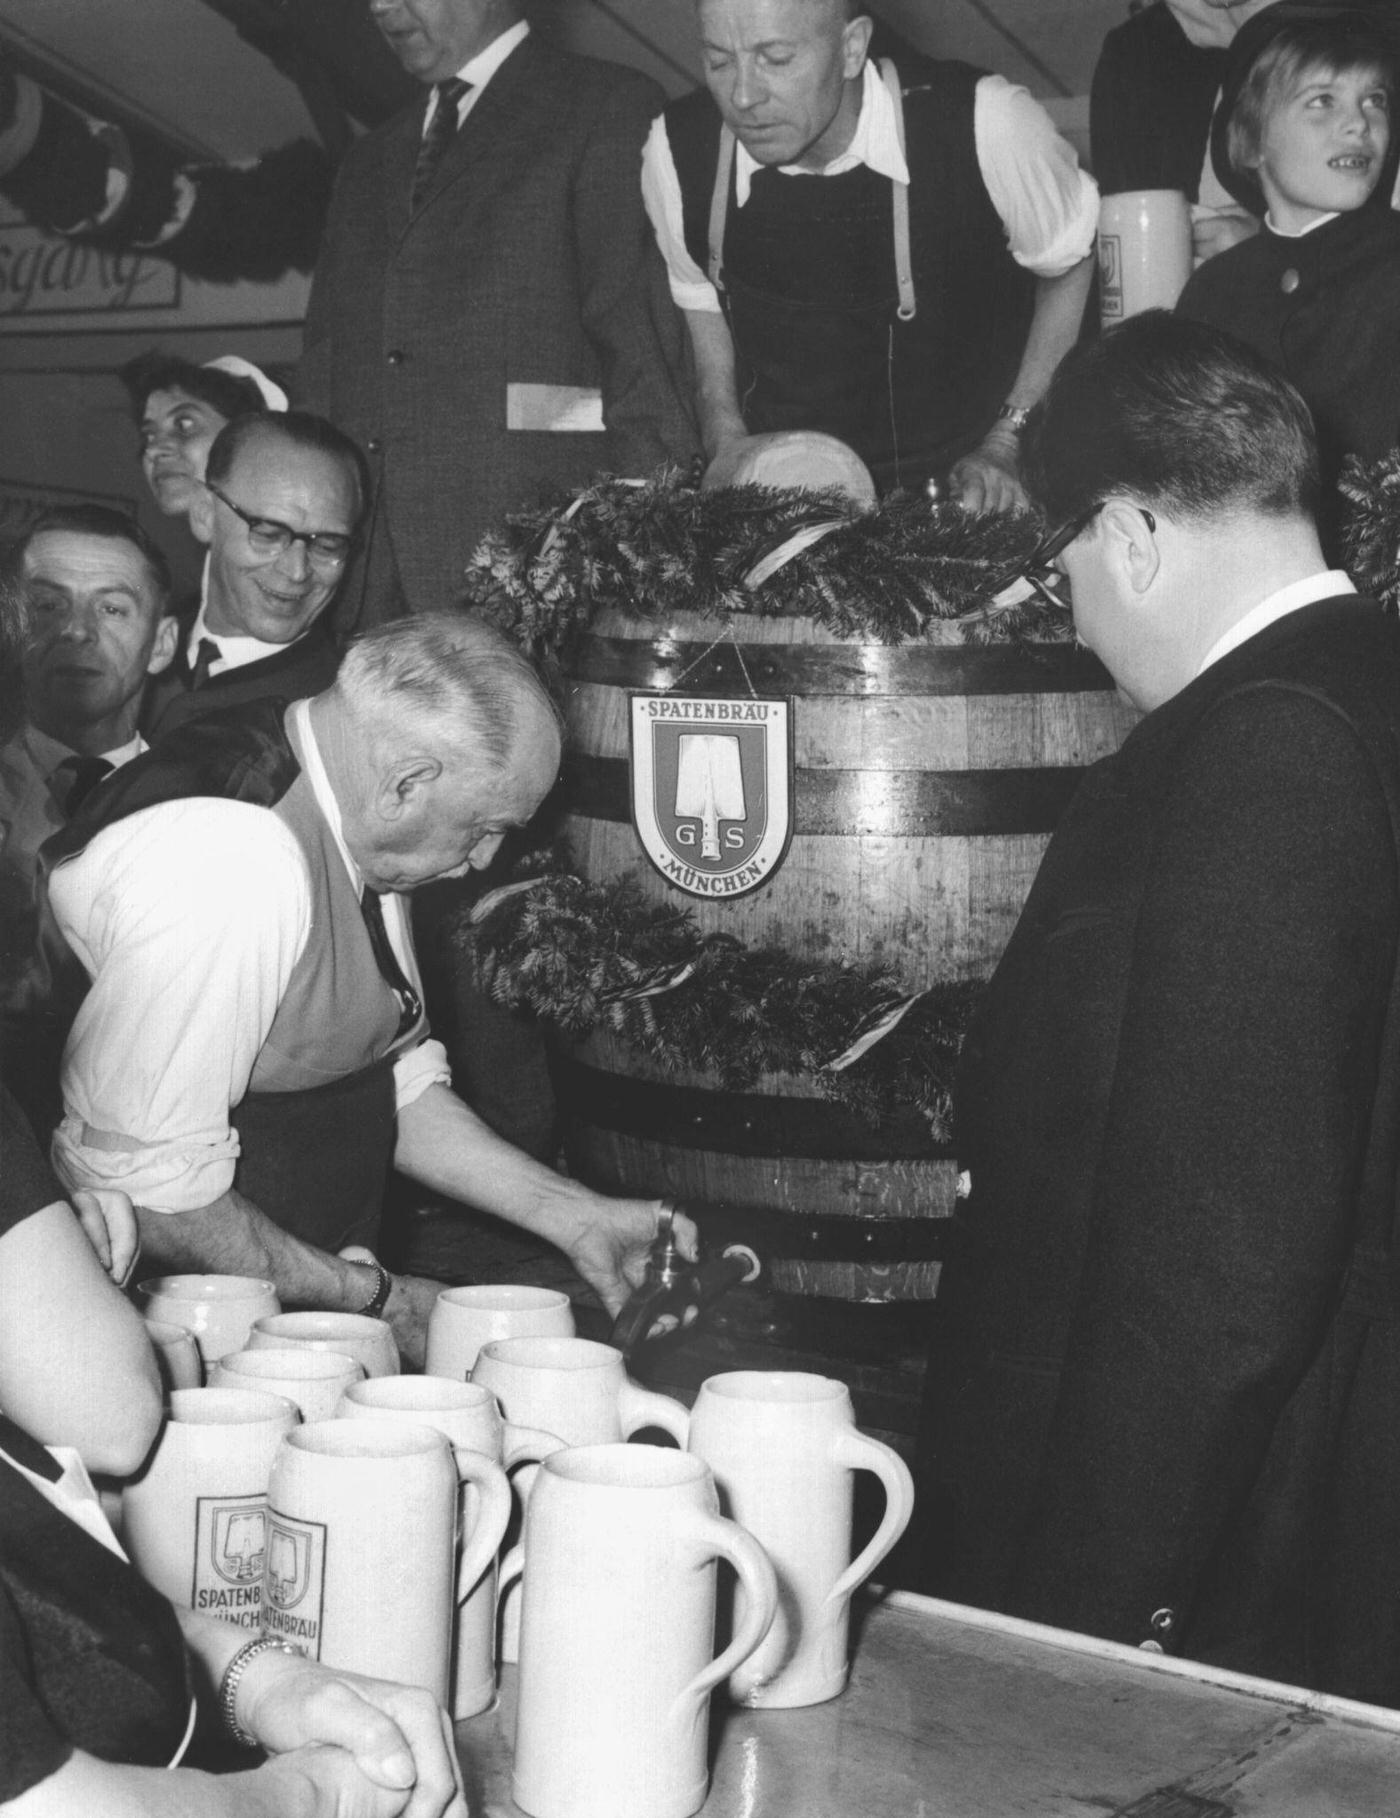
(294,1581)
(230,1540)
(712,789)
(43,274)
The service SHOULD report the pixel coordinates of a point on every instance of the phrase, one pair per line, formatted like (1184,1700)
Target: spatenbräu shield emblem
(712,789)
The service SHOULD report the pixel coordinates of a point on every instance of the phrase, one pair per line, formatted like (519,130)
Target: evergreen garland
(1371,532)
(653,548)
(586,956)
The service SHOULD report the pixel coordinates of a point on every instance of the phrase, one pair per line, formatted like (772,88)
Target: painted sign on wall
(44,274)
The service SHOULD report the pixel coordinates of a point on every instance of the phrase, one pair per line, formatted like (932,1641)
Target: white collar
(1278,605)
(875,143)
(48,753)
(1283,233)
(314,769)
(478,70)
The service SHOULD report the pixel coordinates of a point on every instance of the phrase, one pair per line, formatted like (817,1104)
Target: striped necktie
(442,130)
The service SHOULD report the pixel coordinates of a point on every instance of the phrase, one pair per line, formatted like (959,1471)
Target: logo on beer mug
(293,1584)
(712,789)
(230,1540)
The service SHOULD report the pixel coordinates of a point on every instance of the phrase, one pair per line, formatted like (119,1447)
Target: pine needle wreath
(1371,531)
(586,956)
(657,547)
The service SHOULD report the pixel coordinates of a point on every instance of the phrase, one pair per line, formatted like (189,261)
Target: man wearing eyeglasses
(282,497)
(1163,1403)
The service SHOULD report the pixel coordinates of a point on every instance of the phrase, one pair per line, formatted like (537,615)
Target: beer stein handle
(641,1407)
(479,1548)
(528,1445)
(711,1535)
(861,1453)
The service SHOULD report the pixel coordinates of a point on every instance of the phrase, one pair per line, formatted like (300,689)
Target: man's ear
(402,788)
(165,644)
(855,45)
(1131,544)
(201,515)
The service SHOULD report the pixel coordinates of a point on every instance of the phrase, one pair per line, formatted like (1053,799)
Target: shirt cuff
(418,1068)
(164,1177)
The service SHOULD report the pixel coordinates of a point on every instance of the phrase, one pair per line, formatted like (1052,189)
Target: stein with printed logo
(193,1521)
(362,1569)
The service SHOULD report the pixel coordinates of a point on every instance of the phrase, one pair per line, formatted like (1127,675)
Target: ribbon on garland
(583,956)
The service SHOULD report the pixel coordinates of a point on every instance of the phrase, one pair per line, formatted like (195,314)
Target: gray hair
(451,677)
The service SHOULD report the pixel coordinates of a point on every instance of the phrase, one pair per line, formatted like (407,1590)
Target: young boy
(1304,136)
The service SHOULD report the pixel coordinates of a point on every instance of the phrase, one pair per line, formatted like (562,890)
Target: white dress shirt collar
(1278,605)
(48,753)
(1298,233)
(314,770)
(875,144)
(477,71)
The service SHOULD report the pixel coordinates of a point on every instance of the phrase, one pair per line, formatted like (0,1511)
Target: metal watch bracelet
(383,1288)
(233,1678)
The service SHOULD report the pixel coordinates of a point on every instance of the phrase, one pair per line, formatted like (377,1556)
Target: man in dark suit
(281,498)
(488,317)
(1163,1403)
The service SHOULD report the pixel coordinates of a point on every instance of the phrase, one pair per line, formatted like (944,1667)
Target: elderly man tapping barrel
(896,257)
(1164,1400)
(251,1051)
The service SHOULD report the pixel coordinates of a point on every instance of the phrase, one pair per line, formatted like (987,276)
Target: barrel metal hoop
(842,670)
(891,804)
(739,1123)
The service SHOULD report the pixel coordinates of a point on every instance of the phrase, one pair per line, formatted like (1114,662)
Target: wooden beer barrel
(927,779)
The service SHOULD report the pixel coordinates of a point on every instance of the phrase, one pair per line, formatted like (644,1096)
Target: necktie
(207,653)
(410,1009)
(76,778)
(442,129)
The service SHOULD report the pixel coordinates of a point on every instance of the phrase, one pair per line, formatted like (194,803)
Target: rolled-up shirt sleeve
(661,191)
(1048,205)
(188,918)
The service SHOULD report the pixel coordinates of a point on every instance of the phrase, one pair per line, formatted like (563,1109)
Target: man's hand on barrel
(411,1300)
(989,479)
(612,1240)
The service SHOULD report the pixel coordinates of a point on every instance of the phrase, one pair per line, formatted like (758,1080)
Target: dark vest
(316,1126)
(810,292)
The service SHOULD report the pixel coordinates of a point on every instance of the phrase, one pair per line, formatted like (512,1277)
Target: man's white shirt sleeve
(189,918)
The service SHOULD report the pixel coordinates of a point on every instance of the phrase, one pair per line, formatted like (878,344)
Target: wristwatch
(1017,415)
(383,1288)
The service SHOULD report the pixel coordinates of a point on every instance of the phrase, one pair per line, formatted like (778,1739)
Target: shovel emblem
(711,784)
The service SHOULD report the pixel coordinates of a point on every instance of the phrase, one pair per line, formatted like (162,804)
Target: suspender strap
(903,258)
(719,205)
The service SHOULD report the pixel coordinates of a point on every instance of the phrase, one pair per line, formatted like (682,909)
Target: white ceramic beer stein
(177,1354)
(218,1309)
(369,1341)
(1144,251)
(471,1419)
(193,1521)
(617,1634)
(784,1450)
(465,1319)
(362,1569)
(314,1380)
(577,1389)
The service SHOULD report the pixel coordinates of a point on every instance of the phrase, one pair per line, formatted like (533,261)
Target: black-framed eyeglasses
(1056,541)
(327,550)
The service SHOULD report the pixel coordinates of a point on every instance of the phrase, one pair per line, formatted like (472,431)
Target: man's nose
(294,562)
(77,624)
(747,89)
(484,851)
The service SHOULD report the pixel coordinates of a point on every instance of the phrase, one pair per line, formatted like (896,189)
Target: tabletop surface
(954,1713)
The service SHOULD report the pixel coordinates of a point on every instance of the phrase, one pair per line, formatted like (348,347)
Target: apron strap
(903,259)
(719,205)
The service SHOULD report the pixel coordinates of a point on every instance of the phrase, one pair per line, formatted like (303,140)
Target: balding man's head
(282,497)
(452,740)
(786,74)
